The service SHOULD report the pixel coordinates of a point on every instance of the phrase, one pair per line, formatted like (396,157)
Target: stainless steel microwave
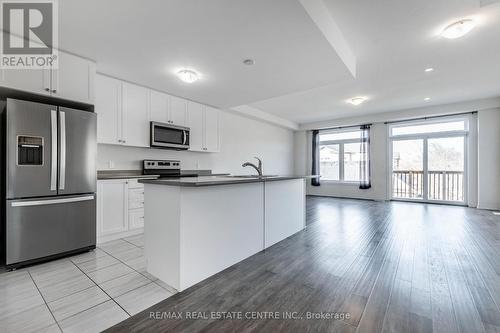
(169,136)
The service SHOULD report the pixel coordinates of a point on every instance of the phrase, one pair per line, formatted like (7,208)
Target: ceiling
(298,74)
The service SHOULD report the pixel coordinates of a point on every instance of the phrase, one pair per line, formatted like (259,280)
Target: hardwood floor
(393,267)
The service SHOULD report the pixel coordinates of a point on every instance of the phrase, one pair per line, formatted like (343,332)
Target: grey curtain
(364,165)
(315,158)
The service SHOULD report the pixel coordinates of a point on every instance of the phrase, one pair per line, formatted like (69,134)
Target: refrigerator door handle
(62,170)
(53,152)
(51,202)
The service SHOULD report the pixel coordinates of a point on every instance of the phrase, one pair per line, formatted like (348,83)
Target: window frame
(341,143)
(437,120)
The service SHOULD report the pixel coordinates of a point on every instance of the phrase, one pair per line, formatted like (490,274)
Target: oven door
(169,136)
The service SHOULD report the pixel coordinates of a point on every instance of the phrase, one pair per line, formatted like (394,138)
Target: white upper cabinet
(108,106)
(135,106)
(204,125)
(159,103)
(178,111)
(74,79)
(31,80)
(124,111)
(212,131)
(196,125)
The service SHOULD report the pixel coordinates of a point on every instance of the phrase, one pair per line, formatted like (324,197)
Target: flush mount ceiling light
(458,29)
(357,100)
(249,62)
(428,70)
(188,75)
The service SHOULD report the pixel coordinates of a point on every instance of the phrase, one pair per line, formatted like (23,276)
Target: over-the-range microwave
(169,136)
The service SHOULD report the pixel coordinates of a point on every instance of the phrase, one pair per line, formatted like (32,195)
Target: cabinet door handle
(54,91)
(47,89)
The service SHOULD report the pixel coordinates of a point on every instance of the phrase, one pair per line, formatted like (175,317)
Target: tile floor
(88,292)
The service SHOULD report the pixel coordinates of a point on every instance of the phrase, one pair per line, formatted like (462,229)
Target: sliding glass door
(446,169)
(408,169)
(428,162)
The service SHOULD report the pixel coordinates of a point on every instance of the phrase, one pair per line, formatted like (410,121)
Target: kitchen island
(196,227)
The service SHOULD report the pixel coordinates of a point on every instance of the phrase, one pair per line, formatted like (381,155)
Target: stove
(164,168)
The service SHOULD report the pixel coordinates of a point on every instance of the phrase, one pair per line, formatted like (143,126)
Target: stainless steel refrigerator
(50,181)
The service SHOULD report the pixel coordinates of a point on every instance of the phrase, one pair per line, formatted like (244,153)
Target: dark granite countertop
(217,180)
(137,174)
(122,174)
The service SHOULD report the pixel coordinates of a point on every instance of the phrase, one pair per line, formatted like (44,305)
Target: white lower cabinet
(136,218)
(120,209)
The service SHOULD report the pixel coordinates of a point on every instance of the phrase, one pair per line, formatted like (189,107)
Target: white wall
(241,139)
(489,159)
(484,154)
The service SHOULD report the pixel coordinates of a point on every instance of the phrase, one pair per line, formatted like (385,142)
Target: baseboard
(338,197)
(118,235)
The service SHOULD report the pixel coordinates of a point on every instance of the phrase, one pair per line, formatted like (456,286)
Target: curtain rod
(430,117)
(341,127)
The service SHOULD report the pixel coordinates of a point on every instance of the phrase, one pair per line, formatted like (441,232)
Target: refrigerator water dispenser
(29,150)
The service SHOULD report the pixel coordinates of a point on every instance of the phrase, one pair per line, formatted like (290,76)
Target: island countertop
(217,180)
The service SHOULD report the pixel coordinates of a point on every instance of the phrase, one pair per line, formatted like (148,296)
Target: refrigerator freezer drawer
(44,227)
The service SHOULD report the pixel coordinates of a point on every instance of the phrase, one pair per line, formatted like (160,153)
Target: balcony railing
(442,185)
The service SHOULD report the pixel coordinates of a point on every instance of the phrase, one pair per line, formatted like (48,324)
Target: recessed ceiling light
(458,29)
(357,100)
(430,69)
(249,62)
(427,99)
(188,75)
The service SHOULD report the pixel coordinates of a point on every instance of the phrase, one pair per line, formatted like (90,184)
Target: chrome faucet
(258,168)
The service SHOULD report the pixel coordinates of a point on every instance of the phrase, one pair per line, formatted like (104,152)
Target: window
(340,155)
(329,159)
(429,127)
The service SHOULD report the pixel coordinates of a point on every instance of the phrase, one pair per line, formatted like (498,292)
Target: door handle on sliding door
(53,150)
(62,155)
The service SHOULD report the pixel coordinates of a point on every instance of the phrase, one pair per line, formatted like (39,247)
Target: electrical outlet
(111,164)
